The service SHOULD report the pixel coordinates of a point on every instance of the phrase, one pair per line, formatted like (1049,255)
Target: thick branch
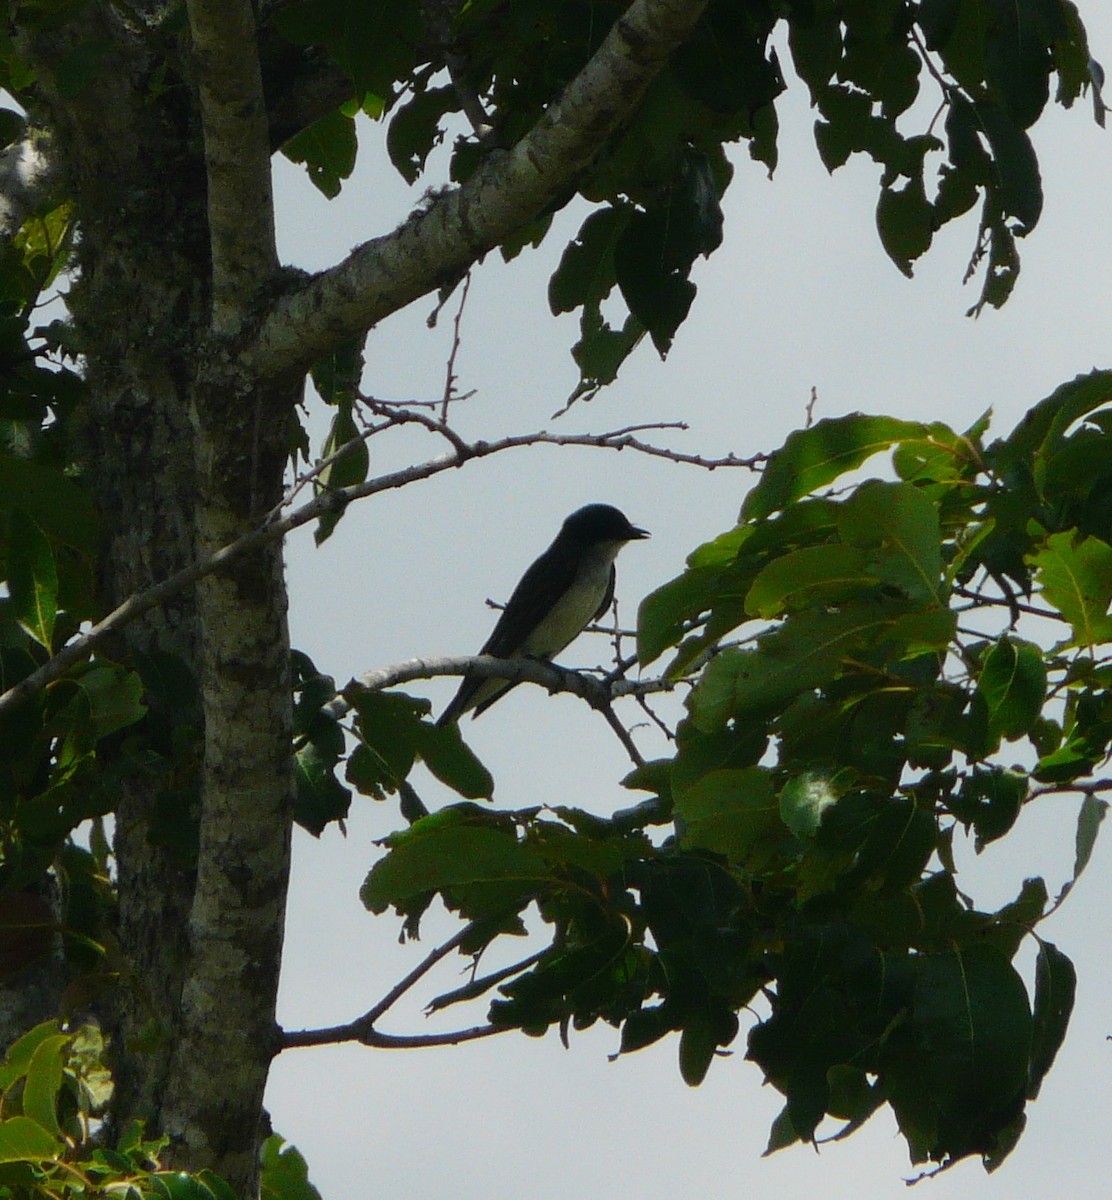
(237,156)
(461,224)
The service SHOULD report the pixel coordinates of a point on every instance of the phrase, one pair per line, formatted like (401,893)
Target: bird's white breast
(577,606)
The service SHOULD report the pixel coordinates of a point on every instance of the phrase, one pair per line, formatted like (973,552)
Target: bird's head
(597,523)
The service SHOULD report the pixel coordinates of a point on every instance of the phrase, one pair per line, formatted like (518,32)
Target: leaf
(32,579)
(1018,185)
(899,523)
(437,853)
(454,763)
(990,800)
(1075,577)
(586,271)
(416,129)
(58,506)
(730,812)
(812,458)
(781,1134)
(811,575)
(1012,684)
(327,148)
(657,294)
(345,470)
(806,652)
(971,1029)
(285,1173)
(374,45)
(905,220)
(17,1058)
(44,1082)
(24,1140)
(1055,987)
(697,1047)
(1089,818)
(804,799)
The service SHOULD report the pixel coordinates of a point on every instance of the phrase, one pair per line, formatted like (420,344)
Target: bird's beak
(637,534)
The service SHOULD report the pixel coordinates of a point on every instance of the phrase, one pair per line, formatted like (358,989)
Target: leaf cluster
(54,1092)
(657,186)
(873,679)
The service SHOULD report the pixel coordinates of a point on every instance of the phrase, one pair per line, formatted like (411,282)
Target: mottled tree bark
(195,346)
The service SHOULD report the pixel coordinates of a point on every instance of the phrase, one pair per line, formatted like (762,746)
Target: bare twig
(362,1028)
(450,370)
(329,502)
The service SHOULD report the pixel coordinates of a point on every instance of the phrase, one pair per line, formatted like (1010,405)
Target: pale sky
(800,295)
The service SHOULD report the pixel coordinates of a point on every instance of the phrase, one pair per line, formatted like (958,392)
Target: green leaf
(32,579)
(811,575)
(58,506)
(44,1082)
(990,800)
(905,220)
(972,1029)
(390,725)
(1075,577)
(24,1140)
(697,1046)
(898,523)
(730,812)
(806,652)
(373,44)
(586,272)
(658,293)
(804,799)
(416,129)
(12,125)
(1018,185)
(82,65)
(1089,818)
(17,1058)
(812,458)
(1012,684)
(454,763)
(327,148)
(1055,987)
(443,851)
(346,470)
(285,1173)
(320,797)
(781,1134)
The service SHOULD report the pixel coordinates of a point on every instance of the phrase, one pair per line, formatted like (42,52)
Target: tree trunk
(181,465)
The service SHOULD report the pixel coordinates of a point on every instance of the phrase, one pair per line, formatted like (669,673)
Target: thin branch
(450,370)
(329,502)
(237,156)
(459,225)
(362,1028)
(416,975)
(388,1041)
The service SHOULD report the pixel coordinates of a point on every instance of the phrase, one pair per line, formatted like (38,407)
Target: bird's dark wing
(539,589)
(532,600)
(608,599)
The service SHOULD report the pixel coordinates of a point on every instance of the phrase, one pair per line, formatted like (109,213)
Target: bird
(570,585)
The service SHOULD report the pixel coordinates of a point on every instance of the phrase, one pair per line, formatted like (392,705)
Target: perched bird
(570,585)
